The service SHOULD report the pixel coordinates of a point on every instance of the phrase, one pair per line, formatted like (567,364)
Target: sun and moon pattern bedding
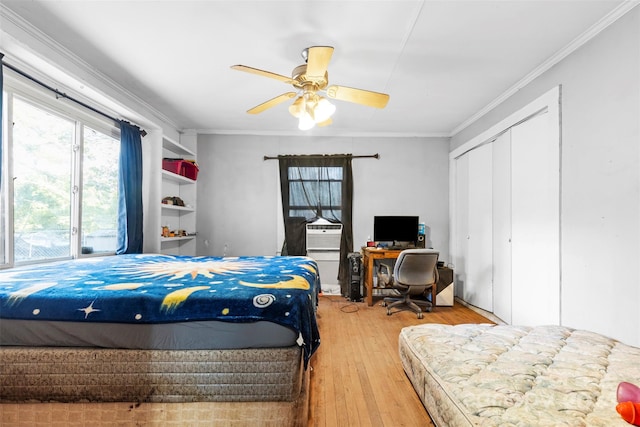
(159,289)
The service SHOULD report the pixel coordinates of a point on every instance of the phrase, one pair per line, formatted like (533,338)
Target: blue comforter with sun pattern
(152,288)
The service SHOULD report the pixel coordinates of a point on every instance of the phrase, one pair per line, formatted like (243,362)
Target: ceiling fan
(310,80)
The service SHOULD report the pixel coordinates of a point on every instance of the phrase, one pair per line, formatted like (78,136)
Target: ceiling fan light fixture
(297,107)
(311,109)
(323,110)
(306,122)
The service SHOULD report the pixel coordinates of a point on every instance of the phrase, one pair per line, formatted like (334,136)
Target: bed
(233,333)
(495,375)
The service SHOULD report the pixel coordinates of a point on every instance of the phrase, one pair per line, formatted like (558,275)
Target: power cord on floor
(349,307)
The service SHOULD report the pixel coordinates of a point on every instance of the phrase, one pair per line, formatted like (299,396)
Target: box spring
(113,375)
(105,387)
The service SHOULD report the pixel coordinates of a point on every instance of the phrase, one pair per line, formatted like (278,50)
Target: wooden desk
(369,255)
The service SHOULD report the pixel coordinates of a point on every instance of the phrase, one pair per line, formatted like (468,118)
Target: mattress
(494,375)
(203,335)
(152,301)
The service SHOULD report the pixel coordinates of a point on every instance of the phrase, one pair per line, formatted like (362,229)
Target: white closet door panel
(502,227)
(461,224)
(535,223)
(478,288)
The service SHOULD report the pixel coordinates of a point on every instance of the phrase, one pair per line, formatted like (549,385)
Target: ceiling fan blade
(359,96)
(318,58)
(325,123)
(263,73)
(271,103)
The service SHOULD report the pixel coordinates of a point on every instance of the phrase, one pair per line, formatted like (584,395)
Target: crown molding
(574,45)
(299,133)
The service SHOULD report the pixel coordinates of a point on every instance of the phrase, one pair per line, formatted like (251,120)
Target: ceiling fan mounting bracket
(301,80)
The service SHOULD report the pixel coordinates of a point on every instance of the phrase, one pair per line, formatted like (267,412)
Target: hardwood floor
(357,377)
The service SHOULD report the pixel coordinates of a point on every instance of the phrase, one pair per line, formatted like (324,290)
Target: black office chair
(415,271)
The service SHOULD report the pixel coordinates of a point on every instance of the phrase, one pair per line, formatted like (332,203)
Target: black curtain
(294,225)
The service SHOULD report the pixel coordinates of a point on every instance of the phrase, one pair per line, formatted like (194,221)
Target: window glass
(42,159)
(4,259)
(303,193)
(302,213)
(99,192)
(315,190)
(330,193)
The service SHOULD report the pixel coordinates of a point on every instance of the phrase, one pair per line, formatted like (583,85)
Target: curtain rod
(63,95)
(321,156)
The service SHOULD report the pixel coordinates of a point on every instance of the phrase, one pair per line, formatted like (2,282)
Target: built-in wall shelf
(176,239)
(176,178)
(176,148)
(177,208)
(174,185)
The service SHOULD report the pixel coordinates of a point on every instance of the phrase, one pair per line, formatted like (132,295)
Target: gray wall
(239,193)
(238,200)
(600,179)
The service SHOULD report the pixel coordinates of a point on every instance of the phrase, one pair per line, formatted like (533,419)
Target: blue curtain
(130,191)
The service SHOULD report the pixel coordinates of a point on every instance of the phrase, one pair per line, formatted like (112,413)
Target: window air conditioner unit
(323,236)
(323,245)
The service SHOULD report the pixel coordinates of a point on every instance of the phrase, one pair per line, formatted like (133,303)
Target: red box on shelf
(181,167)
(189,170)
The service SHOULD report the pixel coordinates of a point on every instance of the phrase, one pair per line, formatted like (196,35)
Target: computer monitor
(395,229)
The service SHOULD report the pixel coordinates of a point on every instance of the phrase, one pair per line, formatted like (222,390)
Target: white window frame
(43,98)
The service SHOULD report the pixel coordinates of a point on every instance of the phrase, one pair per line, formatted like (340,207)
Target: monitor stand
(400,245)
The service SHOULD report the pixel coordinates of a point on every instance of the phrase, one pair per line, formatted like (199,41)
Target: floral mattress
(488,375)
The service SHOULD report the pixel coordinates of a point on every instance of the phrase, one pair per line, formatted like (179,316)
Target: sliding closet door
(535,222)
(478,289)
(511,213)
(502,226)
(460,247)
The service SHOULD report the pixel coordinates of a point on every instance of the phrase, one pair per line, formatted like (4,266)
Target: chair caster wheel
(388,312)
(419,315)
(384,304)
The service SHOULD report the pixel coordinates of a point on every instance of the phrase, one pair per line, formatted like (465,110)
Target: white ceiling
(441,62)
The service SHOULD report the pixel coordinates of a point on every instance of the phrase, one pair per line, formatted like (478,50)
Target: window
(42,158)
(65,182)
(4,218)
(315,190)
(99,192)
(316,186)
